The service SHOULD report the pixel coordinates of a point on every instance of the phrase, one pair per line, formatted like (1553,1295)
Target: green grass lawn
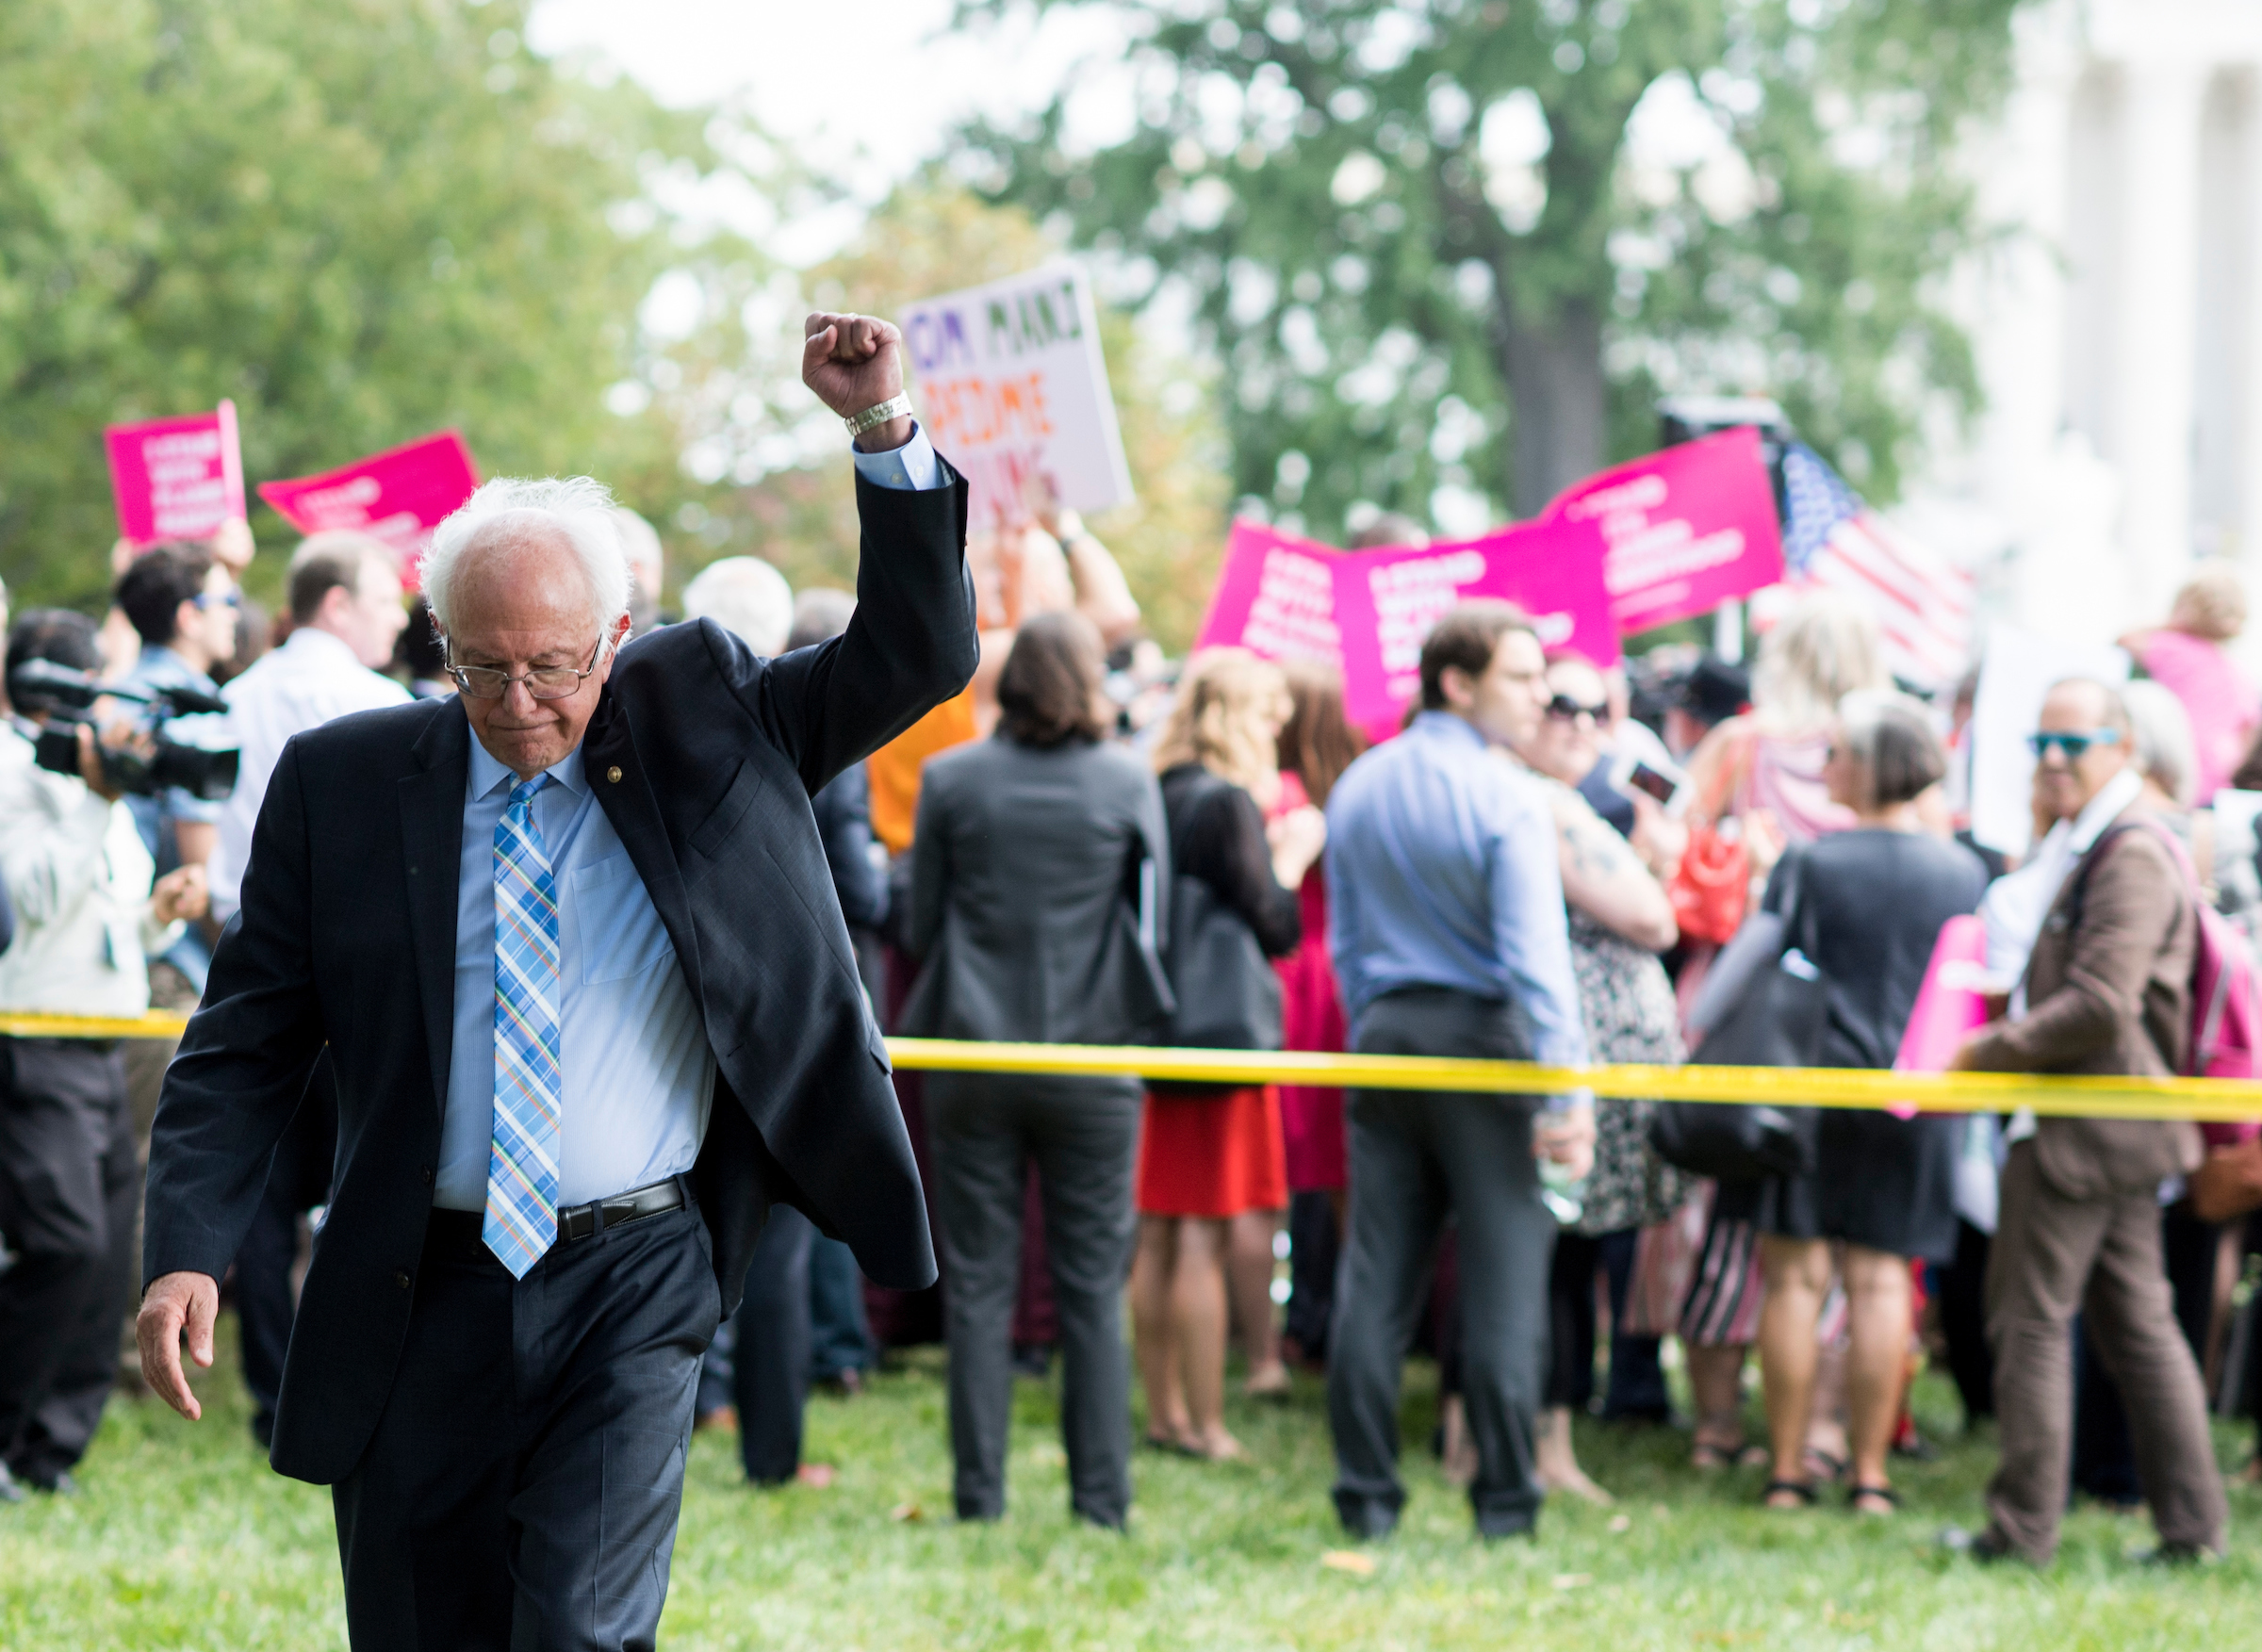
(183,1538)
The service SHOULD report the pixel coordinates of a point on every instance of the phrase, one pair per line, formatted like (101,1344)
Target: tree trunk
(1558,424)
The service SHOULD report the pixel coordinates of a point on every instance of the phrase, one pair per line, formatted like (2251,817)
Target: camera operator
(81,881)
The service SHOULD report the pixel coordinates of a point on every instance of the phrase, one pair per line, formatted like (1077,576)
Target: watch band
(894,407)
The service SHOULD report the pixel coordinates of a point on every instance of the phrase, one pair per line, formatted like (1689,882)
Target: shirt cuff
(911,469)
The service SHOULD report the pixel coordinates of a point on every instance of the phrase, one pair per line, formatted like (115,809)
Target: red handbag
(1713,884)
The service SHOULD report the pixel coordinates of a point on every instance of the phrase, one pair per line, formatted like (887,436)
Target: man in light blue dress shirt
(1446,920)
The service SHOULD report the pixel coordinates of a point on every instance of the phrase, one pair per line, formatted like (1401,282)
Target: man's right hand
(173,1304)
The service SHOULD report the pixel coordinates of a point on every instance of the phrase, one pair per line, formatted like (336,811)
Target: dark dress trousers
(704,757)
(1027,872)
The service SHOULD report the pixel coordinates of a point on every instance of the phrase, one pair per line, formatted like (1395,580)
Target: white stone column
(2156,306)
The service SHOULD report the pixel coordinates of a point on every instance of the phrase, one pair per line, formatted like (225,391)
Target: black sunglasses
(1565,709)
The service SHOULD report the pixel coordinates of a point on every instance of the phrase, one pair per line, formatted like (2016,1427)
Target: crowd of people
(1091,846)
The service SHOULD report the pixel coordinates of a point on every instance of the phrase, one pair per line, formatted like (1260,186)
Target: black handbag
(1228,992)
(1777,1017)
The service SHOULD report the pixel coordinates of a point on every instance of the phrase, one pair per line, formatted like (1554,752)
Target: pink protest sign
(1686,529)
(398,496)
(1275,597)
(1387,600)
(1951,1004)
(176,478)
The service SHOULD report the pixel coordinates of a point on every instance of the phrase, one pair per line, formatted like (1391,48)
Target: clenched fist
(852,363)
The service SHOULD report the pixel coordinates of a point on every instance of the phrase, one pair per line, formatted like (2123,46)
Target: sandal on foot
(1820,1465)
(1795,1488)
(1713,1455)
(1884,1493)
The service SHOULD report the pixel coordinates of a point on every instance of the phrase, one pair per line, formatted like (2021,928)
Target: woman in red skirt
(1209,1154)
(1315,747)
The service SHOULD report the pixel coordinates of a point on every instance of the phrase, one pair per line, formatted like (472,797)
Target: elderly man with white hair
(567,941)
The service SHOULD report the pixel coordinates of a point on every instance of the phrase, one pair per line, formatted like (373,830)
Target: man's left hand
(1566,1138)
(852,363)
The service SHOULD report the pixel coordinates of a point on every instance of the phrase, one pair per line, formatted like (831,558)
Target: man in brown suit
(2107,990)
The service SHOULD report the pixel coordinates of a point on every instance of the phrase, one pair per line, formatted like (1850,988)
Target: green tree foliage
(929,237)
(1428,255)
(364,219)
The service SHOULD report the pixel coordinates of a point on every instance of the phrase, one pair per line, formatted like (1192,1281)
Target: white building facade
(2118,324)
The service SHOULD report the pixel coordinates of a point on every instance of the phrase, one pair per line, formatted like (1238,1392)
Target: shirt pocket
(619,929)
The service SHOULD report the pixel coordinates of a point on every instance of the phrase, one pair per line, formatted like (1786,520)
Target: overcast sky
(864,91)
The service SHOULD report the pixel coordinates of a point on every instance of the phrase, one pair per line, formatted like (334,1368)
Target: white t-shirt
(312,678)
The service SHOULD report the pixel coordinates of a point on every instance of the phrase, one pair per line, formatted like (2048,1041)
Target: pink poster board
(1685,529)
(398,496)
(176,478)
(1367,612)
(1950,1006)
(1275,597)
(1387,600)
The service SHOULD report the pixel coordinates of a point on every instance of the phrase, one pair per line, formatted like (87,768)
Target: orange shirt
(893,769)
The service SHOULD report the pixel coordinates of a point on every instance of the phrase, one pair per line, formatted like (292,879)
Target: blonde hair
(1225,717)
(1821,650)
(2212,604)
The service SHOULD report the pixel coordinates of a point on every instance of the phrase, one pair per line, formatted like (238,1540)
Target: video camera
(144,768)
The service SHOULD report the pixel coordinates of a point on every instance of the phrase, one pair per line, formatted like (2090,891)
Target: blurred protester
(648,569)
(744,594)
(1033,850)
(89,908)
(841,1349)
(2104,1463)
(1448,932)
(1758,785)
(2188,656)
(765,1358)
(1205,1158)
(183,606)
(1706,696)
(1317,745)
(2105,990)
(1869,907)
(344,591)
(1621,921)
(421,657)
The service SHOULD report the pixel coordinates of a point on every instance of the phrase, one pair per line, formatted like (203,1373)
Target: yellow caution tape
(25,1024)
(2212,1099)
(2222,1100)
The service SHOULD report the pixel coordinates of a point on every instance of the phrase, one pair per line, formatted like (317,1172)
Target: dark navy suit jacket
(346,940)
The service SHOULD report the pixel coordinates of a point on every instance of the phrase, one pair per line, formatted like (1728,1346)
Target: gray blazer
(1029,866)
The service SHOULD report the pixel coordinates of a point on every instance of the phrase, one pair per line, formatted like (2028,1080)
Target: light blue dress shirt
(1442,871)
(639,1073)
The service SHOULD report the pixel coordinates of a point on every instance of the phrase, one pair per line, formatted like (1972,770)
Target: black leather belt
(582,1220)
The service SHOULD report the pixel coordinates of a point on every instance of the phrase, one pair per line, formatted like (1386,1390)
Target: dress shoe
(2169,1556)
(1984,1546)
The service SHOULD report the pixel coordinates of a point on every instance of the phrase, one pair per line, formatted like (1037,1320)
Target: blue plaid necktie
(522,1163)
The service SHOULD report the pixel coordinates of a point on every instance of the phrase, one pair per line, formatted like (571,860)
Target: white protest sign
(1010,384)
(2016,676)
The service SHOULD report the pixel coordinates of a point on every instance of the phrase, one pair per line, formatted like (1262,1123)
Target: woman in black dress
(1872,900)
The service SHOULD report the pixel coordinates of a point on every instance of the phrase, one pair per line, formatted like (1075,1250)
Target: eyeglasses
(545,682)
(1565,709)
(2072,746)
(231,599)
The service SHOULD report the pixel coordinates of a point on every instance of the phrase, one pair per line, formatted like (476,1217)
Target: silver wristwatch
(894,407)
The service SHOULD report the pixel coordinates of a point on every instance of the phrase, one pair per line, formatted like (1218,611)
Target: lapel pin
(613,773)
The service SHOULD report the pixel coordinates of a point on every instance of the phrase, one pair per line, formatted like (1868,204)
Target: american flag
(1921,601)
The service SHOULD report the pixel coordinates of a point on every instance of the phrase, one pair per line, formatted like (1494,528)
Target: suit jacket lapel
(624,792)
(432,839)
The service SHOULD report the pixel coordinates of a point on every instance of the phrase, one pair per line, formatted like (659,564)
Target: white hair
(746,594)
(577,506)
(2164,751)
